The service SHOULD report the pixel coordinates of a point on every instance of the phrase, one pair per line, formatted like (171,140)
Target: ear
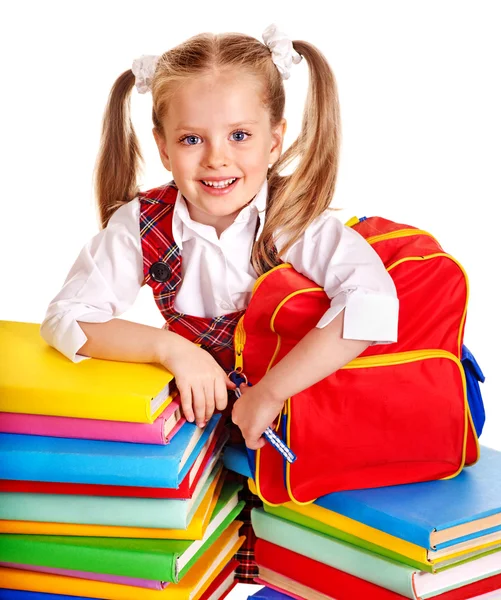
(277,136)
(162,149)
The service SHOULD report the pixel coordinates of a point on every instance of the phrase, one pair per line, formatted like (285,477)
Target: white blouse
(217,277)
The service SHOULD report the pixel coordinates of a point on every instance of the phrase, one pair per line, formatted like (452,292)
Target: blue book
(6,594)
(39,458)
(235,459)
(431,514)
(267,593)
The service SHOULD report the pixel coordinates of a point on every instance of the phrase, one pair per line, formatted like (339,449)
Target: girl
(227,216)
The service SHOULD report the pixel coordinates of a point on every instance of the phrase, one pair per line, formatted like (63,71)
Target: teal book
(163,560)
(159,513)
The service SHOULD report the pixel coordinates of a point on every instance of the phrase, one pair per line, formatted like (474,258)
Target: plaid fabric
(248,568)
(213,334)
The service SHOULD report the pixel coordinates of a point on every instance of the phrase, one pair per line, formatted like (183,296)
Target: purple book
(133,581)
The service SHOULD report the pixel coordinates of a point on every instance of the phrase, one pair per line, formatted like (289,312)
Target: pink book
(161,431)
(134,581)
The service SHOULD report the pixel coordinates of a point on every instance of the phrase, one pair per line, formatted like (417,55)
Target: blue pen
(269,434)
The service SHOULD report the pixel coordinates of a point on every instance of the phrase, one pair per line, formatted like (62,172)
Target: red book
(212,447)
(343,586)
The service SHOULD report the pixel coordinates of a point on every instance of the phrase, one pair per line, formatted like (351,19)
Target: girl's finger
(198,397)
(186,402)
(220,394)
(255,443)
(209,400)
(229,383)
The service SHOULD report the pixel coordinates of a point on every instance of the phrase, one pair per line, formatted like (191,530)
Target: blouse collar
(183,225)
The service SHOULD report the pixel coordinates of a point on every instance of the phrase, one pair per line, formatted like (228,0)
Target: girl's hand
(253,412)
(201,382)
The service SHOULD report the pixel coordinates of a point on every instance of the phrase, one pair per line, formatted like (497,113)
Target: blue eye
(241,133)
(190,137)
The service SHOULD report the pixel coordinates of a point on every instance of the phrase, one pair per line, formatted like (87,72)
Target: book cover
(161,431)
(38,458)
(26,595)
(133,581)
(37,379)
(432,514)
(213,445)
(192,586)
(164,560)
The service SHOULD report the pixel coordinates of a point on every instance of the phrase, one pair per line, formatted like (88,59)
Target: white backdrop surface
(420,91)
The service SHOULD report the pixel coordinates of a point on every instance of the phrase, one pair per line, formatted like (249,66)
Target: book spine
(170,434)
(48,551)
(94,510)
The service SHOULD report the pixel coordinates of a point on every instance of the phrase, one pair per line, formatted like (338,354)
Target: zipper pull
(239,345)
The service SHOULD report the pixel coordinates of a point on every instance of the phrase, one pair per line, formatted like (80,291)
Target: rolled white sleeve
(341,261)
(103,283)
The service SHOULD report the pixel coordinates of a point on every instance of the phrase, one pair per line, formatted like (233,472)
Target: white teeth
(219,184)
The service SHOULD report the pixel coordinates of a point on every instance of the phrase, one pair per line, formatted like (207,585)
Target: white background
(420,91)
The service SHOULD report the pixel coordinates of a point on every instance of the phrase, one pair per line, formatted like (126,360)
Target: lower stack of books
(439,539)
(105,490)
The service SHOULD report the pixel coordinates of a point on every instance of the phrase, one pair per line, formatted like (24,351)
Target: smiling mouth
(219,185)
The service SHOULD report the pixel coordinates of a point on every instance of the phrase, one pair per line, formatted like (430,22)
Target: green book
(314,525)
(162,560)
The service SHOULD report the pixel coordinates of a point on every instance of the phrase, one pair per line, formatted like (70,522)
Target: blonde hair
(295,200)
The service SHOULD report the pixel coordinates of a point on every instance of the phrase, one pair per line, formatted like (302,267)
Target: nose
(216,156)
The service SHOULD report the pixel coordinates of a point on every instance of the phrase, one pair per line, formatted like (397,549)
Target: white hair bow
(144,69)
(283,53)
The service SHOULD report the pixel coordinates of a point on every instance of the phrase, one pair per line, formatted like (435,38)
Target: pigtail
(294,201)
(119,159)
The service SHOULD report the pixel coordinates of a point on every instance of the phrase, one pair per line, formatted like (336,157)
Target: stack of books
(105,490)
(437,539)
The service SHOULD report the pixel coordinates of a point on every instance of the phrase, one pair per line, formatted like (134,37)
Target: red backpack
(399,412)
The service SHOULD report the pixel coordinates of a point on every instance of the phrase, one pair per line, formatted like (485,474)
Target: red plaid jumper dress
(162,272)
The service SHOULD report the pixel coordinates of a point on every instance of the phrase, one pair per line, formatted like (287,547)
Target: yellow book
(194,531)
(37,379)
(191,587)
